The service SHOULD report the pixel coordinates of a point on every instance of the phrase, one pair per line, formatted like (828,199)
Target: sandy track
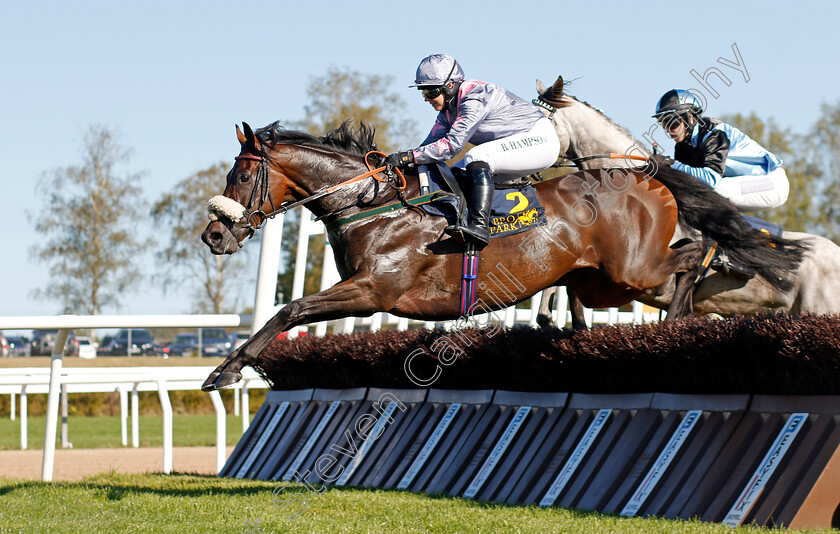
(74,464)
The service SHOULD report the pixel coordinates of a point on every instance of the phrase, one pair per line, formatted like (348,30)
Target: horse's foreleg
(544,316)
(682,303)
(342,300)
(687,268)
(576,307)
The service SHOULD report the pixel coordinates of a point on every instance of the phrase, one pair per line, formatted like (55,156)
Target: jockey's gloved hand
(662,161)
(400,160)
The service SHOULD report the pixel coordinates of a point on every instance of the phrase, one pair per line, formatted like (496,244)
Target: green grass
(187,503)
(104,431)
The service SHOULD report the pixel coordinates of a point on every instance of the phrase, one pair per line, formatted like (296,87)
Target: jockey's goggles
(670,121)
(432,92)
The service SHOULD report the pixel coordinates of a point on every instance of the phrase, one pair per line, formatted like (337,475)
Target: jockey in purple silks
(511,135)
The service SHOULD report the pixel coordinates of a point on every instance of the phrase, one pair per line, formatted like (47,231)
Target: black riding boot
(480,198)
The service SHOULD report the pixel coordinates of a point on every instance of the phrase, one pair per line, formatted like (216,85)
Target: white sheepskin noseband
(227,207)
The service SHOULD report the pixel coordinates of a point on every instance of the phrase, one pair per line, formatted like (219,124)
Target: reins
(261,183)
(612,155)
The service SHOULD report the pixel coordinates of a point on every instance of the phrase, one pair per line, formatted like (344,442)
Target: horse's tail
(773,258)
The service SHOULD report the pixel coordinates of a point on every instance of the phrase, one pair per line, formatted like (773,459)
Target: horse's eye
(244,178)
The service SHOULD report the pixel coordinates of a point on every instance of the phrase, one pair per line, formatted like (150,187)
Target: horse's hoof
(543,320)
(227,379)
(208,384)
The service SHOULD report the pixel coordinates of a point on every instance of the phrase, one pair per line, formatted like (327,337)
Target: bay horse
(401,261)
(585,131)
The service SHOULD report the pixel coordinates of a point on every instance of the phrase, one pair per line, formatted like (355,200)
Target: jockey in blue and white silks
(511,135)
(734,165)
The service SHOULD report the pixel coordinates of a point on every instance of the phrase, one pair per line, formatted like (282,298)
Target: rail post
(123,415)
(166,406)
(48,459)
(246,407)
(24,422)
(221,429)
(135,416)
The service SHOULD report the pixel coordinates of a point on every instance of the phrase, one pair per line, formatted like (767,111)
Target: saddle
(722,263)
(515,208)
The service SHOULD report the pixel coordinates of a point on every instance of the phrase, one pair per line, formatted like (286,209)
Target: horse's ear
(553,96)
(249,133)
(540,87)
(247,139)
(557,89)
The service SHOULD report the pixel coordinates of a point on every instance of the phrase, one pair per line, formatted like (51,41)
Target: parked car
(238,338)
(18,346)
(215,342)
(184,345)
(162,348)
(43,341)
(141,343)
(87,349)
(105,346)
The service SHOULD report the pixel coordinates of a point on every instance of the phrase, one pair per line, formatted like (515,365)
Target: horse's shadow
(118,489)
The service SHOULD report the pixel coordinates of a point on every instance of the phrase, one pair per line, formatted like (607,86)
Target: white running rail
(162,380)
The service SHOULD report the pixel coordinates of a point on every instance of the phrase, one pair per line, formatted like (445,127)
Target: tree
(342,94)
(214,280)
(89,219)
(826,135)
(338,95)
(800,212)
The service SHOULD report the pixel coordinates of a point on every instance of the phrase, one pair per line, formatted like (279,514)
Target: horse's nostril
(211,238)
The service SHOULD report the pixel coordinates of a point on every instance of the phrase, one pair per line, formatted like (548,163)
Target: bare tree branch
(88,219)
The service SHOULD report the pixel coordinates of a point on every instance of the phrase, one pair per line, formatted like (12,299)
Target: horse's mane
(345,138)
(602,114)
(557,97)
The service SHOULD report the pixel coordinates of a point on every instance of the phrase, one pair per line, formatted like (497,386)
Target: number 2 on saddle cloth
(516,208)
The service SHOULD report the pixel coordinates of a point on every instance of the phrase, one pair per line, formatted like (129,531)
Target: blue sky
(175,77)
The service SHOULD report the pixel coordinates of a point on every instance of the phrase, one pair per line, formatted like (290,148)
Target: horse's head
(277,169)
(255,187)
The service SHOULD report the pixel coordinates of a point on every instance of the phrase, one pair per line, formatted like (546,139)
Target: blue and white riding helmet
(438,70)
(678,102)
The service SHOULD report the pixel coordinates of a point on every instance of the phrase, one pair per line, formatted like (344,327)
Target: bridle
(261,184)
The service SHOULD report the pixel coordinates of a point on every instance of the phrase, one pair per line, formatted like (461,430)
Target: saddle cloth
(721,262)
(763,226)
(515,209)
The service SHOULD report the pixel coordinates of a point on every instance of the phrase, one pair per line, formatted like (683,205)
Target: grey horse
(585,131)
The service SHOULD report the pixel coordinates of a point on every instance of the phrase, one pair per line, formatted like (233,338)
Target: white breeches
(753,193)
(520,154)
